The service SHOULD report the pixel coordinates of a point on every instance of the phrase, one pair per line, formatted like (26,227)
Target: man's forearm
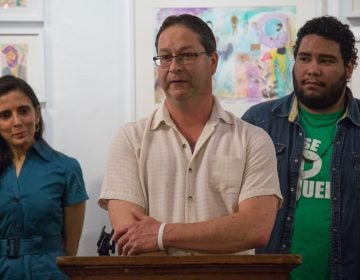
(249,228)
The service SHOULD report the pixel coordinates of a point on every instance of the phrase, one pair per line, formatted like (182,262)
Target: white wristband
(160,236)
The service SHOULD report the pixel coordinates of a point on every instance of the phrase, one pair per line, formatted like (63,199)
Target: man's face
(178,81)
(320,75)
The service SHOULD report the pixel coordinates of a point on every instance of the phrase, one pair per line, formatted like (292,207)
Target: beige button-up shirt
(151,164)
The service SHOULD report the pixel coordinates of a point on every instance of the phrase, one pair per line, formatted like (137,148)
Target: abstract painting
(22,55)
(254,47)
(14,60)
(12,3)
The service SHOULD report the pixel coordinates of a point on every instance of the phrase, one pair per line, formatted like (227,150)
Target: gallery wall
(88,89)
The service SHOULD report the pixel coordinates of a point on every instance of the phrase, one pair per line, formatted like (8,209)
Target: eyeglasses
(164,61)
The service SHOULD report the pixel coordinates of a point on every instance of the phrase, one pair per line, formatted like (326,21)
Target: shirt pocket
(226,174)
(280,152)
(356,164)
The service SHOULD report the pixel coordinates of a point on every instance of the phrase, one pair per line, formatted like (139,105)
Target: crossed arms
(248,228)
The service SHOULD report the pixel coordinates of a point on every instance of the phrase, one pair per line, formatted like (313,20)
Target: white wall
(88,89)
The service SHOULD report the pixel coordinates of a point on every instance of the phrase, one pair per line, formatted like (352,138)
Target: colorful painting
(12,3)
(14,60)
(254,46)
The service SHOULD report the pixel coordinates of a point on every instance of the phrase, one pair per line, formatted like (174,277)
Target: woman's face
(18,120)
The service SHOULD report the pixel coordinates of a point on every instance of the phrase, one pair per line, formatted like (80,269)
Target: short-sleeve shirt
(32,205)
(152,165)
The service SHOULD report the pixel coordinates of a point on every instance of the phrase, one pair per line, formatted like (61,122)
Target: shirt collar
(294,109)
(161,116)
(352,110)
(43,149)
(290,108)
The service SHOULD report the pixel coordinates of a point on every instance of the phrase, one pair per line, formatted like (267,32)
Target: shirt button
(296,160)
(284,246)
(190,197)
(190,170)
(300,134)
(333,169)
(292,189)
(288,218)
(184,146)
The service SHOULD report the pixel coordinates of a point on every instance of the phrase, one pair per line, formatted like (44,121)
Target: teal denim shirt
(32,212)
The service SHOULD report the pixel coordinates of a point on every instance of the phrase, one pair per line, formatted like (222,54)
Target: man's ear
(214,62)
(349,68)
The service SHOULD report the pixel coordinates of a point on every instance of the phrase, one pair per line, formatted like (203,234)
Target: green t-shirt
(311,230)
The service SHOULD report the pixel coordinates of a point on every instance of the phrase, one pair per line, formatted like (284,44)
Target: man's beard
(326,99)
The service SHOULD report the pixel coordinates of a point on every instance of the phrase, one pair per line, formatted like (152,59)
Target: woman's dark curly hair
(10,83)
(332,29)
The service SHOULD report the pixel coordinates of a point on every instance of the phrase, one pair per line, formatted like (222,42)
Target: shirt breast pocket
(356,163)
(226,174)
(280,153)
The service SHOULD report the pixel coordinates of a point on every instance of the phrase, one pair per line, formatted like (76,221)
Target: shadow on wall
(95,219)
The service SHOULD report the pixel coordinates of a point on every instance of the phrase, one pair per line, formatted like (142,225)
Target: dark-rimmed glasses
(164,61)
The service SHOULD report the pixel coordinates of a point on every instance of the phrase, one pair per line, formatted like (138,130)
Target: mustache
(313,82)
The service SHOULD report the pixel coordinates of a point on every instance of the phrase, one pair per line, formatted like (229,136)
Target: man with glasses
(192,178)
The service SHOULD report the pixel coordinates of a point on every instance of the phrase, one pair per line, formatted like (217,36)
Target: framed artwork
(22,55)
(21,10)
(352,10)
(254,42)
(355,9)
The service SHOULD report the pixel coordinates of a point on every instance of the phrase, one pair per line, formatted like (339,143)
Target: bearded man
(316,133)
